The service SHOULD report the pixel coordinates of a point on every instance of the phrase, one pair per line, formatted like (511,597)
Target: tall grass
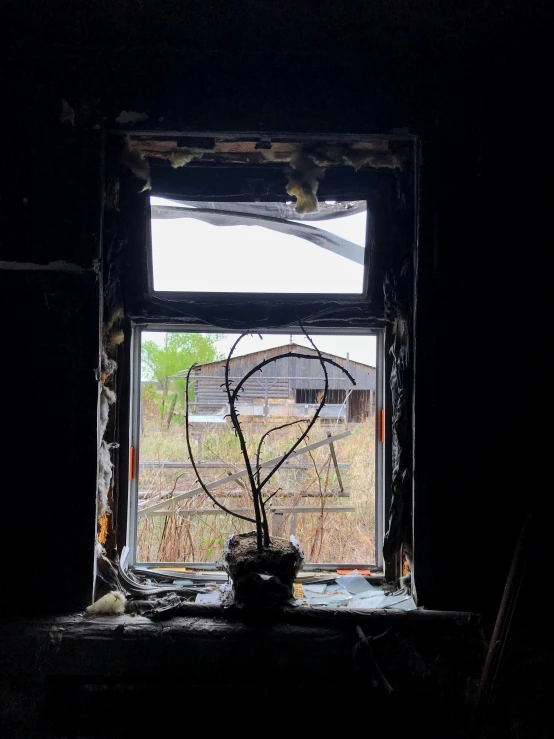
(324,536)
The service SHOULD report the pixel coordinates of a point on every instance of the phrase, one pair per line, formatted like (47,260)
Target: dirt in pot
(262,578)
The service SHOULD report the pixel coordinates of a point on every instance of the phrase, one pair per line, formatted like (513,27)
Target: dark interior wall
(51,240)
(466,82)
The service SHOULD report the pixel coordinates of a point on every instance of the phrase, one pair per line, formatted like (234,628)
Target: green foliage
(177,352)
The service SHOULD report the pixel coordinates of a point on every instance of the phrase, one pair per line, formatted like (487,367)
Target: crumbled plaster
(67,114)
(131,116)
(57,266)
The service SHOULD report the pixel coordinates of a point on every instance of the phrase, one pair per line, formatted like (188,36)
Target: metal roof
(275,350)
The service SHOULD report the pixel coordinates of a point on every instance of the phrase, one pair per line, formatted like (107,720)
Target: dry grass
(324,536)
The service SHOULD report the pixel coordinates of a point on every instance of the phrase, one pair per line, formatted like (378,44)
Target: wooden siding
(306,373)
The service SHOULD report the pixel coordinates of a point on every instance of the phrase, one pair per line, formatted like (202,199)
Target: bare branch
(260,520)
(191,456)
(267,433)
(269,497)
(323,361)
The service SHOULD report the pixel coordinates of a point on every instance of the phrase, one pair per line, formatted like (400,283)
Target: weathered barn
(289,386)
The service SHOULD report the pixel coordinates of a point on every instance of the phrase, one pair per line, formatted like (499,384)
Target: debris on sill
(351,591)
(217,595)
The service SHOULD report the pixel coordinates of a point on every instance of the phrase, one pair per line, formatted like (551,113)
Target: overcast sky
(190,255)
(360,348)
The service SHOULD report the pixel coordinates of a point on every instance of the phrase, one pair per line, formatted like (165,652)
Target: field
(325,535)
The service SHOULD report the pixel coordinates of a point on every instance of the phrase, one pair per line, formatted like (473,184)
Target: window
(325,495)
(232,248)
(257,248)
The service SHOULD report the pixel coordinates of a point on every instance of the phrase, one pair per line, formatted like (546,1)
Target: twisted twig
(191,456)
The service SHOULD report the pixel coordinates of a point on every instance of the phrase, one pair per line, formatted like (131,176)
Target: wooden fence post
(171,409)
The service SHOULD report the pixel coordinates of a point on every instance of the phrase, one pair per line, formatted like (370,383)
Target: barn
(289,386)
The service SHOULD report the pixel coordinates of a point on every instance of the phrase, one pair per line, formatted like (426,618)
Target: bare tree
(256,482)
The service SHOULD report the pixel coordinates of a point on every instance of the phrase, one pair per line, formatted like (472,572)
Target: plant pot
(262,578)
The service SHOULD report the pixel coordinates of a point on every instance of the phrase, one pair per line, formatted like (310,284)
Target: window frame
(393,208)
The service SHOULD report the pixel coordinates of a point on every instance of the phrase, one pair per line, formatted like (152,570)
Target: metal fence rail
(161,505)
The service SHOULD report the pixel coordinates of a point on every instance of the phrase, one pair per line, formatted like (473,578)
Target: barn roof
(277,350)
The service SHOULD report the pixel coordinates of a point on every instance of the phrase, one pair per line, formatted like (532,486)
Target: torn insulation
(115,338)
(105,468)
(307,165)
(116,315)
(107,398)
(112,604)
(304,181)
(181,157)
(109,366)
(134,159)
(103,531)
(376,160)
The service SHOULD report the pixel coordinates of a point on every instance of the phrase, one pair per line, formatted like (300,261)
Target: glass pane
(331,510)
(236,254)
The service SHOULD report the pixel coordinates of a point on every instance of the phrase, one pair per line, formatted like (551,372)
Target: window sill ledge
(195,648)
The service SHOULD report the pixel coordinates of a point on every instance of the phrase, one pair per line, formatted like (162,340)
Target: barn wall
(299,370)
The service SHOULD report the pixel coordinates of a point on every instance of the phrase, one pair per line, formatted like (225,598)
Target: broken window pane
(257,248)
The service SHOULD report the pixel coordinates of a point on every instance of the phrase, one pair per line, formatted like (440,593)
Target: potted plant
(262,568)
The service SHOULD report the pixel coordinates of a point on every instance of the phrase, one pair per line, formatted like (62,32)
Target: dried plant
(255,480)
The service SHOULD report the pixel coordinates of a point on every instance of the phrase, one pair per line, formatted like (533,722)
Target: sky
(190,255)
(360,348)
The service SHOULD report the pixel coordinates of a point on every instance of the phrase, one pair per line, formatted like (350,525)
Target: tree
(177,352)
(256,478)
